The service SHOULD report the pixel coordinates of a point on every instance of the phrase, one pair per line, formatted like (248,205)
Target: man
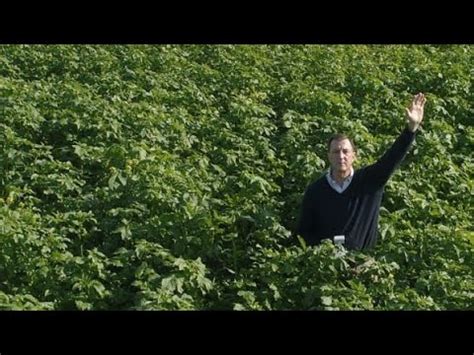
(344,204)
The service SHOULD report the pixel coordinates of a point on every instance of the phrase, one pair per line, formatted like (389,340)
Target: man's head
(341,153)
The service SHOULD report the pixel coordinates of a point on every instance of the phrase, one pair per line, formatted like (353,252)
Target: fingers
(423,100)
(419,100)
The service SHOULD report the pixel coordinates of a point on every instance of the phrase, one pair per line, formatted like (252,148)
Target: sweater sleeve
(379,172)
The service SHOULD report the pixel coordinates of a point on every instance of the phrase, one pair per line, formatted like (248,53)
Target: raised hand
(415,111)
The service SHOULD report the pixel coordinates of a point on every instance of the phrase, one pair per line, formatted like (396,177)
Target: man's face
(341,156)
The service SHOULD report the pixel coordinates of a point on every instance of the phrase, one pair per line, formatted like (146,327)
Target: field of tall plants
(170,177)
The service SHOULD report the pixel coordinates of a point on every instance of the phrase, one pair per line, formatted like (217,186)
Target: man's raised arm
(380,172)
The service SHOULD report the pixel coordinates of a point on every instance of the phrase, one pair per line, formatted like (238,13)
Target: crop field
(170,177)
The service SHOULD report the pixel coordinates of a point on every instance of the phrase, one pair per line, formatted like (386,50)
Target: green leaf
(326,300)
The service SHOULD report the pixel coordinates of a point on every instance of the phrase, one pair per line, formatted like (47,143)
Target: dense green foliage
(170,177)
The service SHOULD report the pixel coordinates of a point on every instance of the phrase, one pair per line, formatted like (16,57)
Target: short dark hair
(340,137)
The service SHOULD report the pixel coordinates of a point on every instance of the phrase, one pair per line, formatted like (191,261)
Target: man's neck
(340,176)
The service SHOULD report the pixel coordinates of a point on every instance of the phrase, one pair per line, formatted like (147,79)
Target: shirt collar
(335,185)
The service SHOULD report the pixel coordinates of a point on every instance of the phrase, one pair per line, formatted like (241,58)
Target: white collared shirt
(335,185)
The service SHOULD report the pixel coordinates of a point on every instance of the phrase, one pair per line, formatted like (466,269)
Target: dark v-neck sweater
(354,212)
